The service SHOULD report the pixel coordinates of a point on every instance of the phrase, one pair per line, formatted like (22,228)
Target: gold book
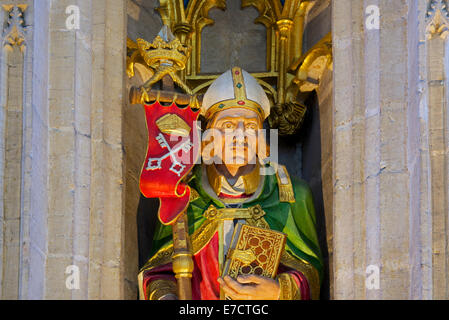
(254,250)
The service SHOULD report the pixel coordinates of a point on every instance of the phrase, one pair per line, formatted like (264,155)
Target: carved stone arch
(284,23)
(269,11)
(198,10)
(197,16)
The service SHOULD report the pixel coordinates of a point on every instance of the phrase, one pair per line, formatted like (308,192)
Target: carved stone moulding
(15,28)
(437,17)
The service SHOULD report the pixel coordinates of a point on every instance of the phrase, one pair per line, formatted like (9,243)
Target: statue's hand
(250,287)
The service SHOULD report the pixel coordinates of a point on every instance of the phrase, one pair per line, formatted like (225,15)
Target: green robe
(297,220)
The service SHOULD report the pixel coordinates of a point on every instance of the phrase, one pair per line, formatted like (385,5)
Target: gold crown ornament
(166,55)
(165,49)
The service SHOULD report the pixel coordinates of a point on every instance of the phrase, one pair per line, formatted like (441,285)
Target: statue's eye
(251,126)
(228,125)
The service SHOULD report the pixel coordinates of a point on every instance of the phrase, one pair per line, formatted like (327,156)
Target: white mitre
(235,88)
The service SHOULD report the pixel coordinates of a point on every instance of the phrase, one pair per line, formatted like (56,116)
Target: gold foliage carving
(311,66)
(14,34)
(437,17)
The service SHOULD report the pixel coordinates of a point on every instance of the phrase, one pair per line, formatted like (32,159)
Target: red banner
(173,140)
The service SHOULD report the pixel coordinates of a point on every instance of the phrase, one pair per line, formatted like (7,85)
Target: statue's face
(239,128)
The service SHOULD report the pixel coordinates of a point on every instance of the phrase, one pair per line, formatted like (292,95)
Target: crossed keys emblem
(176,167)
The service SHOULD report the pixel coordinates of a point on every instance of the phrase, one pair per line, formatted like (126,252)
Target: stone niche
(232,39)
(373,145)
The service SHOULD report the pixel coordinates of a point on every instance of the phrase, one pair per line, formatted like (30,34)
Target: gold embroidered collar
(250,180)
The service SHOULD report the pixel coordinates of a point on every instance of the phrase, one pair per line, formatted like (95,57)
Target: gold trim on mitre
(240,99)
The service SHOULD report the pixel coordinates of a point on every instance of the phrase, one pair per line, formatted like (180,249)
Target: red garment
(230,196)
(204,278)
(205,273)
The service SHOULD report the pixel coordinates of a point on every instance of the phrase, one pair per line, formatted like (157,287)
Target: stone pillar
(434,75)
(15,133)
(71,202)
(85,183)
(377,161)
(34,269)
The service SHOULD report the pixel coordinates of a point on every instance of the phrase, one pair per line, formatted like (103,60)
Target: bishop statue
(232,186)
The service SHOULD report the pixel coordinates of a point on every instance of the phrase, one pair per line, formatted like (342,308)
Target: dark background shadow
(146,224)
(310,140)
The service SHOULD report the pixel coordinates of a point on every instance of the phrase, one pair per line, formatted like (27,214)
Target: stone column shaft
(377,159)
(76,175)
(435,113)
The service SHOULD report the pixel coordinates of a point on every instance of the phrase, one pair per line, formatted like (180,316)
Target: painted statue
(230,187)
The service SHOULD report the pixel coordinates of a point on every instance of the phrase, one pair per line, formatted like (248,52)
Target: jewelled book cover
(254,250)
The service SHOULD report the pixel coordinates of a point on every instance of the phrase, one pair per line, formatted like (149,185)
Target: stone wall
(69,212)
(70,148)
(435,136)
(390,151)
(15,145)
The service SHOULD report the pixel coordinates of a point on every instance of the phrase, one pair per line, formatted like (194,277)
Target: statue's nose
(239,132)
